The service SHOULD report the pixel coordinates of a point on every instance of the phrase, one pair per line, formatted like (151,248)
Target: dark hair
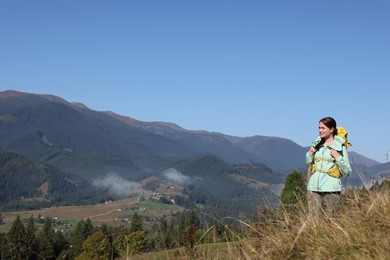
(330,123)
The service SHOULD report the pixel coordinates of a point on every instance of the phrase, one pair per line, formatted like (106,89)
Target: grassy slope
(361,230)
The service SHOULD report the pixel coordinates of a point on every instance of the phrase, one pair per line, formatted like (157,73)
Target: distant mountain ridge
(78,139)
(261,149)
(361,161)
(278,153)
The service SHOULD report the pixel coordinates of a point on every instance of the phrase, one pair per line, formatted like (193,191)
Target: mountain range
(85,144)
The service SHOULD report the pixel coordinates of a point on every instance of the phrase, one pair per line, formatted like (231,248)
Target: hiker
(328,158)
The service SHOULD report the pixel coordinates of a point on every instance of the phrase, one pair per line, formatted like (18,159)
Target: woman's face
(325,132)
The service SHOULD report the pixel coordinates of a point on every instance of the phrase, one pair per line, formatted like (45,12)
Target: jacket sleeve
(343,163)
(309,158)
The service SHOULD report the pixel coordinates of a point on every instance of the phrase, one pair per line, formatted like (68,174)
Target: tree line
(28,240)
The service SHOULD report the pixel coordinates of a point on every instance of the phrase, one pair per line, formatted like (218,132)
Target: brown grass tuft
(360,230)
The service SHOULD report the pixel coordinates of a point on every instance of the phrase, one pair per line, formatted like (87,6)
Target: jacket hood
(337,143)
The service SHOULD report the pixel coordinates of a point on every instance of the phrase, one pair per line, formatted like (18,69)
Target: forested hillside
(28,184)
(79,140)
(229,189)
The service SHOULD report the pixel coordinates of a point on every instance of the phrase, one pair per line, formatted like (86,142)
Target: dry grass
(361,230)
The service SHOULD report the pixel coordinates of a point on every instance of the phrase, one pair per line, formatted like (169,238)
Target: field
(112,213)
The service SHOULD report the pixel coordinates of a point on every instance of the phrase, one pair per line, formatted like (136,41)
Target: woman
(329,159)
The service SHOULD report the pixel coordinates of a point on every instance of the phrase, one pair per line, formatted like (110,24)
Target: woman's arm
(343,163)
(309,155)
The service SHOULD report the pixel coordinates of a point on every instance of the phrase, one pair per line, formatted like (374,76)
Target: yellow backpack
(342,132)
(334,171)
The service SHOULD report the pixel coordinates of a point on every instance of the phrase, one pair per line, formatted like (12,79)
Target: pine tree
(96,246)
(294,190)
(120,245)
(136,223)
(138,242)
(60,243)
(46,237)
(31,237)
(81,232)
(163,238)
(17,239)
(4,247)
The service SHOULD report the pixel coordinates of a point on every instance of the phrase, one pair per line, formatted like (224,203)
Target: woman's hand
(334,153)
(312,150)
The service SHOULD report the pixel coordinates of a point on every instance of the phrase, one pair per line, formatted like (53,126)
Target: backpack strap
(334,171)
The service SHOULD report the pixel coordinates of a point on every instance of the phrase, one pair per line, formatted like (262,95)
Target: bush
(294,190)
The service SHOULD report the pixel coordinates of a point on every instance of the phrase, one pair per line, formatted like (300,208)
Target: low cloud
(177,177)
(119,186)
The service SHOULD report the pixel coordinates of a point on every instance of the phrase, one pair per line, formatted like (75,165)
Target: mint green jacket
(321,181)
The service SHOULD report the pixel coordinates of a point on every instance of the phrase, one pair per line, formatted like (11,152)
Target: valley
(111,213)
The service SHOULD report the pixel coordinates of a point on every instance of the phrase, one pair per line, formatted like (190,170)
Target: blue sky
(241,68)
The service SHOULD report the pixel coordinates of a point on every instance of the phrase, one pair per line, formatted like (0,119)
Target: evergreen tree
(31,237)
(17,239)
(4,247)
(81,232)
(46,237)
(105,229)
(96,246)
(294,189)
(60,243)
(136,223)
(138,242)
(163,238)
(120,245)
(1,218)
